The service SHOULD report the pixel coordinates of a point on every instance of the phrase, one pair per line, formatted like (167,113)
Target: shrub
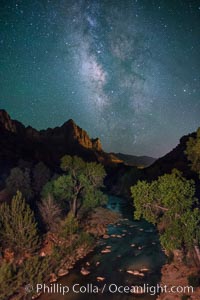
(85,239)
(18,228)
(9,281)
(194,280)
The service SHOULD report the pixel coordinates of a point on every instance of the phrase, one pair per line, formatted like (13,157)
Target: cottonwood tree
(168,203)
(18,228)
(80,186)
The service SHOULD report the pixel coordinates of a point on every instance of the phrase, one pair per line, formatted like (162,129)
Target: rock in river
(99,278)
(106,236)
(85,272)
(144,270)
(106,250)
(62,272)
(136,273)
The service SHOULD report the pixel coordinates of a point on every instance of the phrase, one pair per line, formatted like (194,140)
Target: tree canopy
(79,186)
(168,202)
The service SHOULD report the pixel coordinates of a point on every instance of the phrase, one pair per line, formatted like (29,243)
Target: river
(134,246)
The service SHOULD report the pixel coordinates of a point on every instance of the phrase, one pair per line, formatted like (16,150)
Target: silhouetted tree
(41,175)
(19,180)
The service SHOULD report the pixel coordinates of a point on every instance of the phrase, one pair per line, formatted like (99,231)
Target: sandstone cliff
(49,145)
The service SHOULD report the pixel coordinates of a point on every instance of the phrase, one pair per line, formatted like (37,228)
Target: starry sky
(127,71)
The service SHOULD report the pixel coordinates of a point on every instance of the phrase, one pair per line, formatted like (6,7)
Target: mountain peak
(66,139)
(69,122)
(6,122)
(80,135)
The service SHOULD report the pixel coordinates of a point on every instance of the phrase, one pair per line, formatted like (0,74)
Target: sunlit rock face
(6,122)
(69,131)
(49,145)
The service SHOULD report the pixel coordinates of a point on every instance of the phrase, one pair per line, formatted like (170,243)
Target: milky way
(125,71)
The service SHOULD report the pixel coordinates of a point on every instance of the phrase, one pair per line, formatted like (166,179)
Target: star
(126,71)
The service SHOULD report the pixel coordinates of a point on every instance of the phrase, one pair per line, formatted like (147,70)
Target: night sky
(125,71)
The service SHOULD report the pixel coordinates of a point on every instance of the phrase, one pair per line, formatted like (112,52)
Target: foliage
(50,212)
(85,239)
(193,151)
(9,282)
(95,174)
(72,164)
(63,187)
(19,180)
(75,166)
(70,225)
(18,230)
(48,189)
(93,198)
(80,186)
(34,270)
(168,201)
(56,256)
(41,175)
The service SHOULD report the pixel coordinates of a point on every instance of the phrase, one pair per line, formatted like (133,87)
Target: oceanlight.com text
(111,288)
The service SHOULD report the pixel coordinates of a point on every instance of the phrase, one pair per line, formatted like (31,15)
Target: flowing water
(134,246)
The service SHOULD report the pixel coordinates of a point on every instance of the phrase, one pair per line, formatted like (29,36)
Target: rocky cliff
(127,176)
(176,158)
(27,143)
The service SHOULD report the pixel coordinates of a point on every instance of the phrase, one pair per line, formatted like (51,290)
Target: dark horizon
(94,137)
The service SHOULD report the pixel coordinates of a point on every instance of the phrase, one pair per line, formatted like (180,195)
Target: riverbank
(97,225)
(62,254)
(127,253)
(177,274)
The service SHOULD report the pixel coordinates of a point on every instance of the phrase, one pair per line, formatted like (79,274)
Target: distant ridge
(18,142)
(136,161)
